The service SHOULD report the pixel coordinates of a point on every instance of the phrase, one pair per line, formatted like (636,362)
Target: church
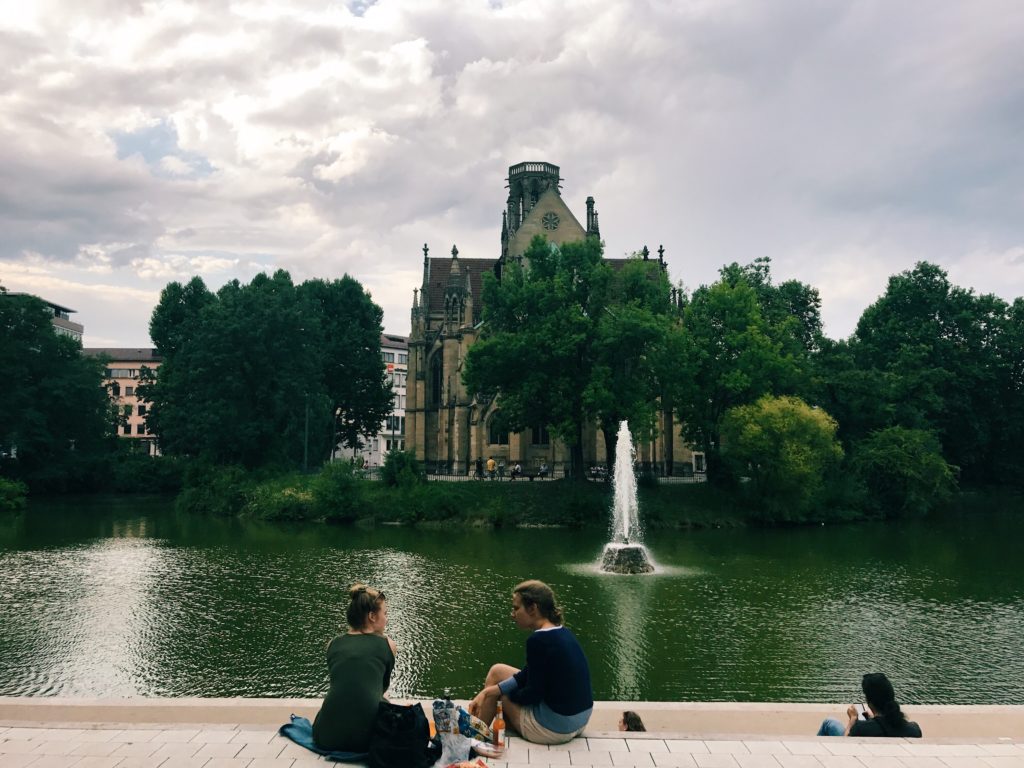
(446,426)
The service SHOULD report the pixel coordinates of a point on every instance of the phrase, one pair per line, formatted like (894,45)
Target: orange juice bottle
(498,727)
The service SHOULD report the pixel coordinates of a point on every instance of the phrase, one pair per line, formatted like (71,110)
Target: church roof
(439,271)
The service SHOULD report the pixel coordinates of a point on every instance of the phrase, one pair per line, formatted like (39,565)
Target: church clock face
(550,220)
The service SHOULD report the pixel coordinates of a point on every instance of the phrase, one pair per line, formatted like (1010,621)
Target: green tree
(543,311)
(55,414)
(265,373)
(730,353)
(786,448)
(904,471)
(938,357)
(587,334)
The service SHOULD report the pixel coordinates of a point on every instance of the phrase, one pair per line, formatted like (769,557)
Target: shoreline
(663,719)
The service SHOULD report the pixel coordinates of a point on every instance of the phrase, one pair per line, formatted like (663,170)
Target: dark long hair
(882,698)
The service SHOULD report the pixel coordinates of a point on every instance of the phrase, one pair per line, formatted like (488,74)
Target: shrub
(13,495)
(283,499)
(786,448)
(336,493)
(214,490)
(402,469)
(904,471)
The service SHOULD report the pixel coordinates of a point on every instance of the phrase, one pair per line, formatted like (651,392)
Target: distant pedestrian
(479,468)
(492,466)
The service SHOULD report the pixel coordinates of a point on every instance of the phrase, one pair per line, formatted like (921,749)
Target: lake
(123,596)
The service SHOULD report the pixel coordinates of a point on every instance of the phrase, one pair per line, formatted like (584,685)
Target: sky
(147,142)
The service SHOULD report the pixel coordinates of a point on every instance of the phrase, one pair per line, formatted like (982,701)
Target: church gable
(550,217)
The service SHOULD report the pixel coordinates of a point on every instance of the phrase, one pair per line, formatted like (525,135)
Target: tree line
(928,391)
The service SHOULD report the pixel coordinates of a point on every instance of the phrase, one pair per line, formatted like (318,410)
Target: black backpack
(401,738)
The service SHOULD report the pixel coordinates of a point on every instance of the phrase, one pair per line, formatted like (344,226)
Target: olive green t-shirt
(360,668)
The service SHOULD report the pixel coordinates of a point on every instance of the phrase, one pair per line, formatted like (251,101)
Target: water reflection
(127,599)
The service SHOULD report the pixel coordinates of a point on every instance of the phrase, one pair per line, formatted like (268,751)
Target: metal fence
(444,472)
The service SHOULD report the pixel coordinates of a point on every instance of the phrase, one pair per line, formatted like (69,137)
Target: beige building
(60,316)
(122,375)
(448,427)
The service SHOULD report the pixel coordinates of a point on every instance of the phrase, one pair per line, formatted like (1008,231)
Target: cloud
(140,142)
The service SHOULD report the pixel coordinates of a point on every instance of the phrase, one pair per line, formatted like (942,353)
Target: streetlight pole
(305,436)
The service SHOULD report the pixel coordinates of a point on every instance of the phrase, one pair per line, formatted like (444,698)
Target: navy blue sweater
(556,674)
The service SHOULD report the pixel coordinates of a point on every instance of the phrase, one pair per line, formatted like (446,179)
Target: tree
(904,471)
(939,353)
(544,311)
(55,414)
(730,353)
(786,448)
(586,334)
(264,373)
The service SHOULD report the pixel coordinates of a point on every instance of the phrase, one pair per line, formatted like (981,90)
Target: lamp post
(305,436)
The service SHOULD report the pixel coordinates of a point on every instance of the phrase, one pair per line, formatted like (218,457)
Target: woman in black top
(887,719)
(360,662)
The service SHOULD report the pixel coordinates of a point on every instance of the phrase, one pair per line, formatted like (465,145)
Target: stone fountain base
(626,558)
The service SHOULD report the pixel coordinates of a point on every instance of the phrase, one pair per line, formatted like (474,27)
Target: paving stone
(675,760)
(608,745)
(973,761)
(270,762)
(172,735)
(135,735)
(139,762)
(94,748)
(252,751)
(881,761)
(16,761)
(593,757)
(716,761)
(997,750)
(798,761)
(766,747)
(757,761)
(840,761)
(806,748)
(1005,762)
(256,737)
(18,747)
(97,761)
(175,749)
(688,746)
(644,759)
(228,762)
(916,761)
(218,750)
(539,755)
(183,762)
(726,747)
(214,736)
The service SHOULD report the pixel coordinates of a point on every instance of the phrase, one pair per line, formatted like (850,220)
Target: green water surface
(124,597)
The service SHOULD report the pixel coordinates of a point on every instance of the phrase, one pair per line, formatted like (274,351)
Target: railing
(595,472)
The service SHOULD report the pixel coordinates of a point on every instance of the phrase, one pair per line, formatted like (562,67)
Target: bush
(904,471)
(787,449)
(13,495)
(402,469)
(336,493)
(213,490)
(283,499)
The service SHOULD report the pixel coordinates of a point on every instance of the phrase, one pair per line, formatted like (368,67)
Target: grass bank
(337,496)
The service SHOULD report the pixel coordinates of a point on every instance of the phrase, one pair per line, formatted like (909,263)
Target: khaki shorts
(536,733)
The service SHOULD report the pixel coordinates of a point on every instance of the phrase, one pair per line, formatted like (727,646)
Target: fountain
(625,553)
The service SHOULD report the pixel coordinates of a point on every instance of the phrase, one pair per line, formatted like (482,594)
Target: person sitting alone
(631,721)
(359,662)
(543,471)
(886,718)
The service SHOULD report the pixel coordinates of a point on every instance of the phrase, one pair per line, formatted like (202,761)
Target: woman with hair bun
(886,718)
(359,663)
(549,700)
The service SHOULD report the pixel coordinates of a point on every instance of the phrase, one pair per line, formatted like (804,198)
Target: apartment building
(394,352)
(123,370)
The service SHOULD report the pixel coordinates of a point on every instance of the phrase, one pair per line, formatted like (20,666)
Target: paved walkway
(111,745)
